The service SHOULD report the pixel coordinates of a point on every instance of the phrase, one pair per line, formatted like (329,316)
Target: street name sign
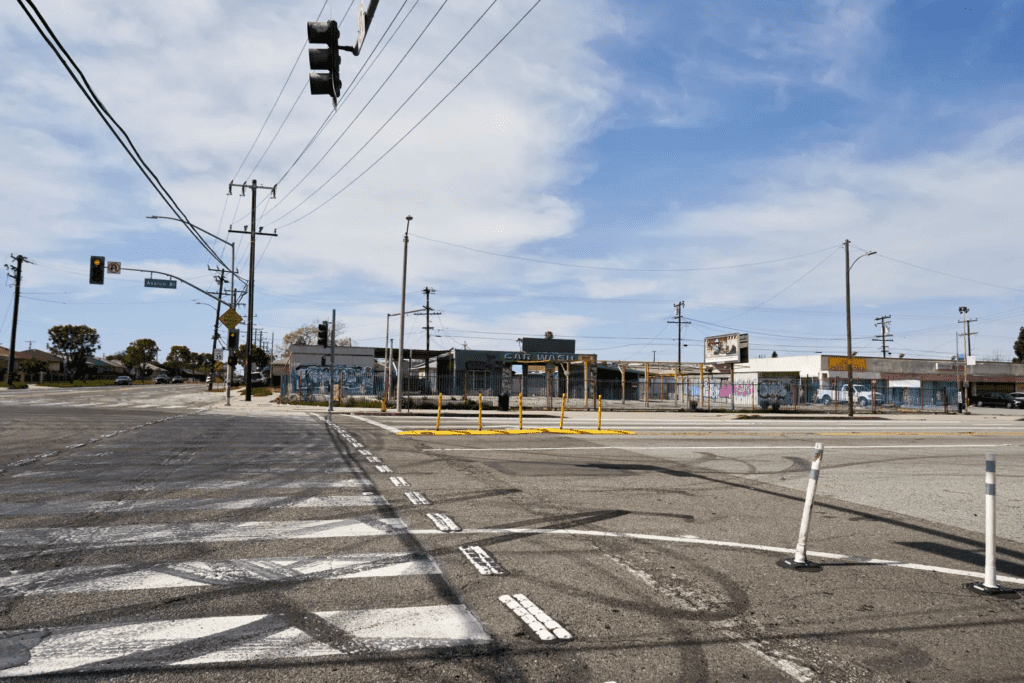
(162,284)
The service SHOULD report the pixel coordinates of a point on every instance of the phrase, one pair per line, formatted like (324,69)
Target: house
(53,363)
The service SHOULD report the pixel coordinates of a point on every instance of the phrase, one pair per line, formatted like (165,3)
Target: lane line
(847,559)
(241,639)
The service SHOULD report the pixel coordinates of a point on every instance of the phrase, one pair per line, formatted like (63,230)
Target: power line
(939,272)
(368,102)
(424,118)
(624,270)
(78,76)
(347,93)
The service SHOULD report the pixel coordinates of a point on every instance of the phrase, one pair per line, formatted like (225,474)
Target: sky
(570,167)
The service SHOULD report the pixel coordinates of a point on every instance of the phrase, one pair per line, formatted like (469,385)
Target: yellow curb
(492,432)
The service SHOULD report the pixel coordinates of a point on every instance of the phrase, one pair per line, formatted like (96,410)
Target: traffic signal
(321,336)
(232,340)
(324,59)
(97,266)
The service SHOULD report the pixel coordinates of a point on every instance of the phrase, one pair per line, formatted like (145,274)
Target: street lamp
(849,330)
(387,356)
(216,320)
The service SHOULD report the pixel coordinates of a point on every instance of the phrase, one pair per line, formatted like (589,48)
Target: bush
(18,385)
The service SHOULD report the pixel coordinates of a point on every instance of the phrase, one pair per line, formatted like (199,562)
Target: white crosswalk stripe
(198,560)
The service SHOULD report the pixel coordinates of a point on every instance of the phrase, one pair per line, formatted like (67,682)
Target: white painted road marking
(716,447)
(417,498)
(443,522)
(482,560)
(732,544)
(37,508)
(206,532)
(213,640)
(374,423)
(399,481)
(217,573)
(539,622)
(184,484)
(384,469)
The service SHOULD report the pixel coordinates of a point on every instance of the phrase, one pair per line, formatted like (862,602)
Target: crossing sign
(230,318)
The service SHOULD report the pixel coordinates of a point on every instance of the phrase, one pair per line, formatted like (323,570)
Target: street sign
(114,267)
(230,318)
(161,284)
(218,355)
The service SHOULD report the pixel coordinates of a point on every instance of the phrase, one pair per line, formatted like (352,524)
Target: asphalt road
(254,543)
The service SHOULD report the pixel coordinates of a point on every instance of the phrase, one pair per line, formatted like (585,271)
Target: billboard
(726,348)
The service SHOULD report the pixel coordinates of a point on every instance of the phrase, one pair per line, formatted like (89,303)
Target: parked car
(996,400)
(161,379)
(123,379)
(177,379)
(1018,397)
(861,395)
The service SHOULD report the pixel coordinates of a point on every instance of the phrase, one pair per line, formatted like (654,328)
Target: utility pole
(401,325)
(967,352)
(969,333)
(252,273)
(885,336)
(428,291)
(14,321)
(678,320)
(216,331)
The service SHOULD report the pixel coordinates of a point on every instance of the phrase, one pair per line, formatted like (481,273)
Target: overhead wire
(78,76)
(347,92)
(417,124)
(626,270)
(360,113)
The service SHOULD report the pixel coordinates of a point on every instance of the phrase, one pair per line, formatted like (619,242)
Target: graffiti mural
(774,392)
(312,382)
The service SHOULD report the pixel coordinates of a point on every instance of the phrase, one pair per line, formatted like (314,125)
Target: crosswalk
(212,540)
(135,398)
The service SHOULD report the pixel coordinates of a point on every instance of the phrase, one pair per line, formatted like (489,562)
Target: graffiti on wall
(306,380)
(774,392)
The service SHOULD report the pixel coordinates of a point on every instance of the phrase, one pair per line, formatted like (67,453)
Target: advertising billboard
(726,348)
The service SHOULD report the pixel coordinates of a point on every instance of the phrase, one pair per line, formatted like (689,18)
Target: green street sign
(162,284)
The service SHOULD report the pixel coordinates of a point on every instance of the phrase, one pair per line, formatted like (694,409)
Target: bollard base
(790,563)
(997,592)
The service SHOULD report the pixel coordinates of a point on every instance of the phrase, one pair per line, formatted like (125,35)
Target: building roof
(32,353)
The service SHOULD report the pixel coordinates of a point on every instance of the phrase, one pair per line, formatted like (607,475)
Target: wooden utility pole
(14,322)
(252,273)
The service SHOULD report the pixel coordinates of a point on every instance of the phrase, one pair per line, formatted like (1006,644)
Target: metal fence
(312,383)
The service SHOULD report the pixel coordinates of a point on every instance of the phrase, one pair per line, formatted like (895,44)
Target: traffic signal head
(232,340)
(324,59)
(321,337)
(97,266)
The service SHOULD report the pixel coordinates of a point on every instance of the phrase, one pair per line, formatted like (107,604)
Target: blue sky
(602,163)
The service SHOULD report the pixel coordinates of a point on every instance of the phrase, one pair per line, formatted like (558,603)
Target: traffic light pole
(252,275)
(330,401)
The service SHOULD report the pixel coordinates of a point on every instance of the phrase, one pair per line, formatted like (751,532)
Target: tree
(307,335)
(140,352)
(74,344)
(1018,347)
(32,367)
(178,359)
(259,356)
(775,354)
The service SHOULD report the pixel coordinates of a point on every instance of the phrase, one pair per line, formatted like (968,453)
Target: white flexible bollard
(989,585)
(799,561)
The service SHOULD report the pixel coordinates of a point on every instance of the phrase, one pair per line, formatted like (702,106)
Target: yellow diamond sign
(231,318)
